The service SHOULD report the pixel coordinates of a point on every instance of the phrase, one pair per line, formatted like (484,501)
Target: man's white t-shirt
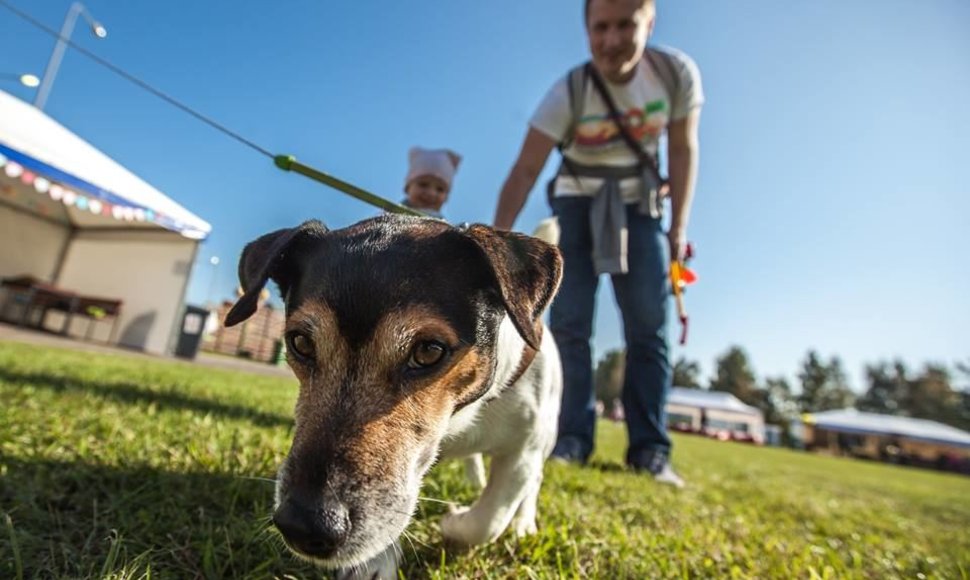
(646,108)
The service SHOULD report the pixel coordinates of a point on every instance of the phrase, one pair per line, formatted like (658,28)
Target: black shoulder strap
(662,63)
(576,85)
(646,161)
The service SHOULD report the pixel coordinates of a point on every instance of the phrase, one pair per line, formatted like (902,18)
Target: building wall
(147,270)
(256,338)
(875,446)
(716,419)
(29,245)
(689,417)
(929,452)
(836,443)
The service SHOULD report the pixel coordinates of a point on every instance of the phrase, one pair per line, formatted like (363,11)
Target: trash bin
(279,354)
(190,334)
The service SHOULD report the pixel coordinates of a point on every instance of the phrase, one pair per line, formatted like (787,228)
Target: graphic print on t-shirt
(599,131)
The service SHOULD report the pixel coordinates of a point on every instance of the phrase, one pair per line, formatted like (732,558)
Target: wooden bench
(33,294)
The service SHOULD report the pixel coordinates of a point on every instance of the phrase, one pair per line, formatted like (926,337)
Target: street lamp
(214,261)
(76,9)
(26,79)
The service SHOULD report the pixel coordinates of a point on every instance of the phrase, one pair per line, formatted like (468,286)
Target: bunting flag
(82,201)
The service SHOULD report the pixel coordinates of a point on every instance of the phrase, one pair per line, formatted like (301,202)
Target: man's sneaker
(657,464)
(568,450)
(668,476)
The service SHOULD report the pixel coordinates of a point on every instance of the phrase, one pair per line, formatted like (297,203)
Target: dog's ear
(527,272)
(262,259)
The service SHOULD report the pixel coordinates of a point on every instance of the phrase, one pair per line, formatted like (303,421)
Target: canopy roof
(715,400)
(93,189)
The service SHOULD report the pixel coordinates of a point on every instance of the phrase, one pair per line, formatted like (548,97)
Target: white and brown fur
(370,420)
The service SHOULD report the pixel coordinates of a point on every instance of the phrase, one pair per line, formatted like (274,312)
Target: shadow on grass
(69,518)
(134,394)
(608,466)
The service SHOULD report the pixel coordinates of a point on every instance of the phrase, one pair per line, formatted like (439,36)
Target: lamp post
(26,79)
(214,261)
(76,9)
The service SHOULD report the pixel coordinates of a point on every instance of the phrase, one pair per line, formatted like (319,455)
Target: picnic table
(32,294)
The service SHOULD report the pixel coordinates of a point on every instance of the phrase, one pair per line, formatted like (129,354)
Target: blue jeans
(641,295)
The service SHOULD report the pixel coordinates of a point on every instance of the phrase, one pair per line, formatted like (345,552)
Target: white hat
(441,163)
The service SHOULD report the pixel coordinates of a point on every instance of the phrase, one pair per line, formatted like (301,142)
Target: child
(428,183)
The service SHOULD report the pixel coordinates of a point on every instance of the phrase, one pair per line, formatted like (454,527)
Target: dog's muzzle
(316,528)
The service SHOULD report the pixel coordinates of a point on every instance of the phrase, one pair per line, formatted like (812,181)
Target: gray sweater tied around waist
(607,214)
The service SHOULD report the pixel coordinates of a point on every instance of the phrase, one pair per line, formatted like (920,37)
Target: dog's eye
(427,353)
(301,344)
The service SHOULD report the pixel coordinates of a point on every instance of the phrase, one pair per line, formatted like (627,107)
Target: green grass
(114,466)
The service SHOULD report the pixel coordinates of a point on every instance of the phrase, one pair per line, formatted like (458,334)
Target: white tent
(696,410)
(73,217)
(854,421)
(712,400)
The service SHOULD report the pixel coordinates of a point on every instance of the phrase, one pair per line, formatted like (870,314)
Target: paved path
(11,333)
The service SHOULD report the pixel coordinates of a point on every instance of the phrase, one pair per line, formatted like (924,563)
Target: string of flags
(83,202)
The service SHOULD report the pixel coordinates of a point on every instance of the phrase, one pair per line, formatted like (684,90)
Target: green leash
(289,163)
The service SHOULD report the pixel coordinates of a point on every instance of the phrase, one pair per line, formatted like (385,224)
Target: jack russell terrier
(413,340)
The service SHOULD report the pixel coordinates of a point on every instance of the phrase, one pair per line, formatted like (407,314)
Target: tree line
(934,391)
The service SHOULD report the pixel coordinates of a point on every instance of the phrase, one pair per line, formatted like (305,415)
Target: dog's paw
(461,530)
(523,527)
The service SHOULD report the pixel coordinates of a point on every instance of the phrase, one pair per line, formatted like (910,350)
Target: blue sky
(833,207)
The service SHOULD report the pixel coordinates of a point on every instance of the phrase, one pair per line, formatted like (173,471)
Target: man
(606,199)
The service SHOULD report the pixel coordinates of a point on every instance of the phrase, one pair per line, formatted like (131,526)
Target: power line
(284,162)
(132,78)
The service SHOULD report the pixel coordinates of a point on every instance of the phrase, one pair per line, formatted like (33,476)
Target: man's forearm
(683,162)
(514,193)
(528,166)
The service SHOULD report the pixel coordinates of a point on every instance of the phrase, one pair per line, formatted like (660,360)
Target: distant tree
(776,401)
(894,390)
(931,396)
(608,379)
(888,391)
(687,373)
(963,370)
(734,375)
(824,385)
(813,377)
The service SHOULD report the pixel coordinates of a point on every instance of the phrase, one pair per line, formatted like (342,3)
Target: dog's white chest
(508,413)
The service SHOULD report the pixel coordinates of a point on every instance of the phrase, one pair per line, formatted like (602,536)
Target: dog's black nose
(317,530)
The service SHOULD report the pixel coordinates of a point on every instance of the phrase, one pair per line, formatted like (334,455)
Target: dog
(413,341)
(548,231)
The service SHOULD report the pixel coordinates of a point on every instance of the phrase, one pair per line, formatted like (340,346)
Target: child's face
(427,192)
